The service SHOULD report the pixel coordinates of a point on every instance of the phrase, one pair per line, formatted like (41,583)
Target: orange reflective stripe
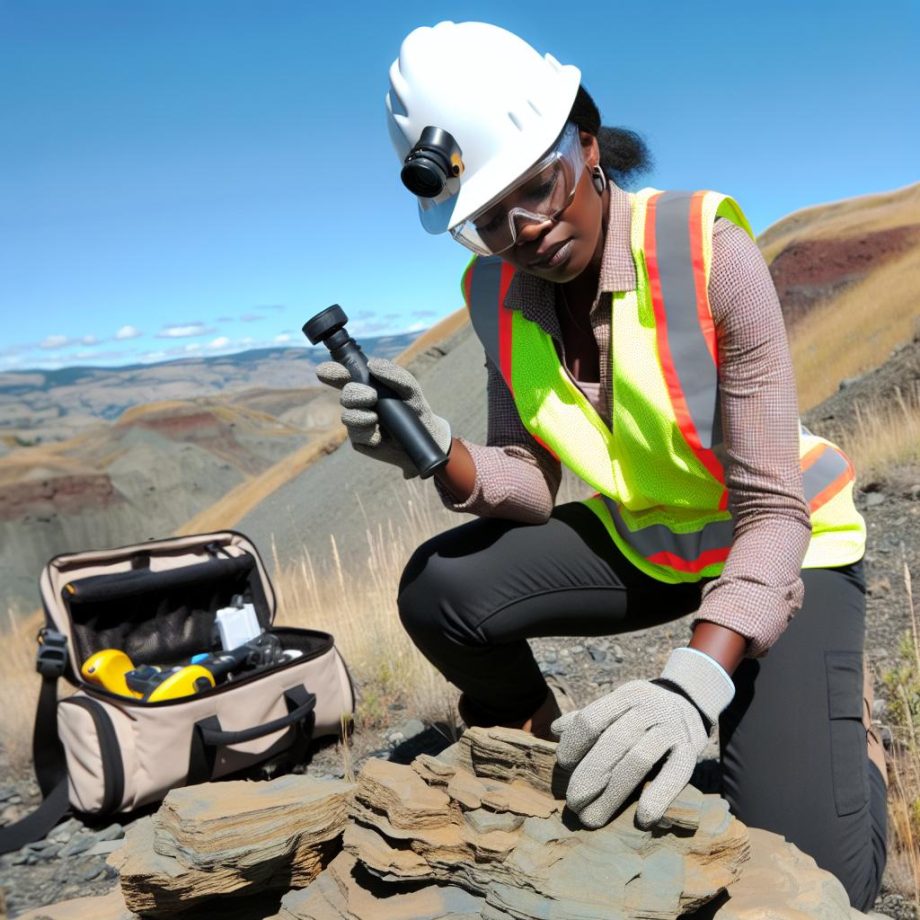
(827,471)
(703,312)
(710,557)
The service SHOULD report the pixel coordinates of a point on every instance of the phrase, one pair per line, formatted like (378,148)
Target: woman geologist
(635,337)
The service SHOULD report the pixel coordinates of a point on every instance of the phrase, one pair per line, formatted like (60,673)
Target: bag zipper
(113,771)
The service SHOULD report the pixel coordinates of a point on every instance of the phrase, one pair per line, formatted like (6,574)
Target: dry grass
(358,605)
(903,687)
(857,330)
(19,684)
(886,435)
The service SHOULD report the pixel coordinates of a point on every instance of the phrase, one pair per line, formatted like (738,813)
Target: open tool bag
(154,606)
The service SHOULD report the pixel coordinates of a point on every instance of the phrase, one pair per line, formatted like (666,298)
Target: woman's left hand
(613,743)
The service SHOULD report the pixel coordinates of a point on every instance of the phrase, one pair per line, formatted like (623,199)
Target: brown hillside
(820,252)
(808,272)
(61,494)
(847,217)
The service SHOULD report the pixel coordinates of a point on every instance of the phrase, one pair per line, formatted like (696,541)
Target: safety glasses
(540,195)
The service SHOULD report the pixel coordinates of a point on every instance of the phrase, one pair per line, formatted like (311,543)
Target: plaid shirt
(759,589)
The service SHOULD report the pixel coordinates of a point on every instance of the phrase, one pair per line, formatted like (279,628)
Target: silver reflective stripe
(484,306)
(657,538)
(693,362)
(829,466)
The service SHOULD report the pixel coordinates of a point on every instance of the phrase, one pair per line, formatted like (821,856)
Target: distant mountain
(38,406)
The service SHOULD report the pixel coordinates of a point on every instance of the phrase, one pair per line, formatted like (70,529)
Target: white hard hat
(501,101)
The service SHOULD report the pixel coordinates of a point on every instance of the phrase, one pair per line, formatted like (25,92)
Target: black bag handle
(208,735)
(212,734)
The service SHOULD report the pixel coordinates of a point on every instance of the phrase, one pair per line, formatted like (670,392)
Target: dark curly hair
(624,154)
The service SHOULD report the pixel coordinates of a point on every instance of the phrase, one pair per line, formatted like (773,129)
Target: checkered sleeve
(516,478)
(760,588)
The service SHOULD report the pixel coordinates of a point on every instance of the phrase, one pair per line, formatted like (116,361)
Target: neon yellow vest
(659,476)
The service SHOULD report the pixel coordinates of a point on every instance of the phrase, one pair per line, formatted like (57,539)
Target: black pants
(793,745)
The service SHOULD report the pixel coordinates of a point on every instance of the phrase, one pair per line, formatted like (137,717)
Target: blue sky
(195,176)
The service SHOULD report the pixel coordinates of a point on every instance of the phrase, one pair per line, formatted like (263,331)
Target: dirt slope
(140,477)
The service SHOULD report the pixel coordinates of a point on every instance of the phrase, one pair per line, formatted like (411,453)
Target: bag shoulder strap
(48,755)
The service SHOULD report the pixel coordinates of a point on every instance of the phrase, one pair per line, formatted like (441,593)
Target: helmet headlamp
(434,159)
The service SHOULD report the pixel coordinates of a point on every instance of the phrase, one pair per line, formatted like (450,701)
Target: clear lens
(540,195)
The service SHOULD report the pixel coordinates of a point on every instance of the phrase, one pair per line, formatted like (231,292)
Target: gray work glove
(358,403)
(614,742)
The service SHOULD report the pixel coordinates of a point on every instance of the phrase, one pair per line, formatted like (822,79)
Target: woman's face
(561,250)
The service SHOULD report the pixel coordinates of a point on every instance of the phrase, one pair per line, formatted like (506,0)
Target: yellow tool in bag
(114,670)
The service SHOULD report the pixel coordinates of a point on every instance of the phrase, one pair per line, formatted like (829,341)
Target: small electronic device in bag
(160,701)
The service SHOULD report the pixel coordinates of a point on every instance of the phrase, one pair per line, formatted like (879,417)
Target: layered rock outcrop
(480,832)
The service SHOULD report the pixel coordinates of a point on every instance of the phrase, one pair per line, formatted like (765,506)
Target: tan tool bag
(101,752)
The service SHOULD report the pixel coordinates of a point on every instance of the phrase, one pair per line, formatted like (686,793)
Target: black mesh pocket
(157,617)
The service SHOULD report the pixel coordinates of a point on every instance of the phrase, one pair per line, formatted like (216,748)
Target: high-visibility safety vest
(658,471)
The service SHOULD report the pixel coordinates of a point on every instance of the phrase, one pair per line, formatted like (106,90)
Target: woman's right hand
(358,401)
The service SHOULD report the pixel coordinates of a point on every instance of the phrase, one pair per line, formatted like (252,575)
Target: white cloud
(89,340)
(128,332)
(55,341)
(246,340)
(183,331)
(220,342)
(193,346)
(417,327)
(281,339)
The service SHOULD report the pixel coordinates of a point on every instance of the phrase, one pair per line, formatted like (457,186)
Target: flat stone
(484,816)
(105,847)
(231,838)
(78,845)
(110,906)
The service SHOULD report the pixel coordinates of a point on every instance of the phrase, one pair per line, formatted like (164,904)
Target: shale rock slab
(236,838)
